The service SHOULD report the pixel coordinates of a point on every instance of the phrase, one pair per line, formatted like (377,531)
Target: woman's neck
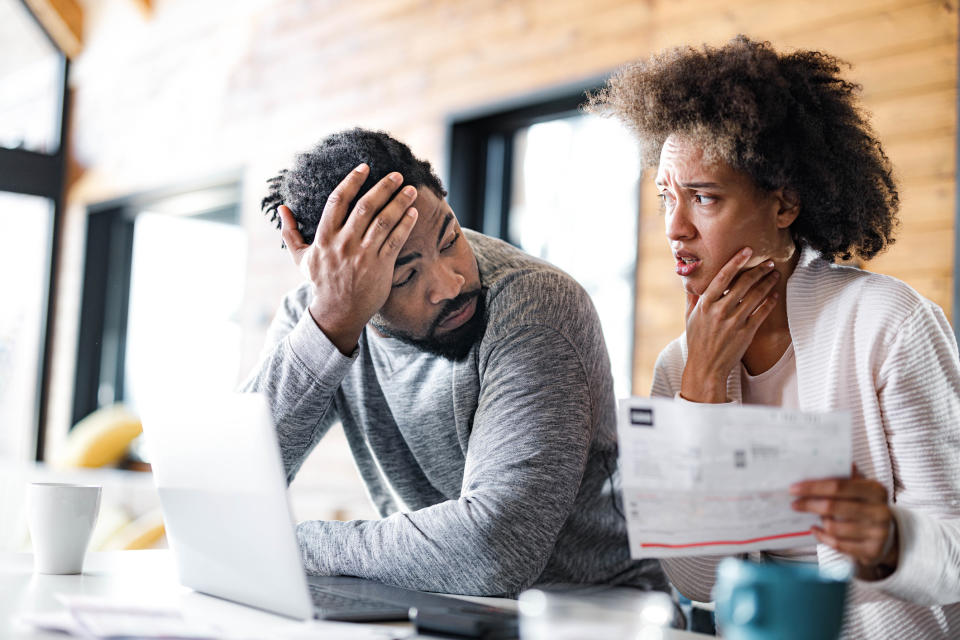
(773,337)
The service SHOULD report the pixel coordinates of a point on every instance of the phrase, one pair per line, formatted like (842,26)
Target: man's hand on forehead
(351,259)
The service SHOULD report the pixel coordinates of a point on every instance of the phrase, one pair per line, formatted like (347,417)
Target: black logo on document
(641,417)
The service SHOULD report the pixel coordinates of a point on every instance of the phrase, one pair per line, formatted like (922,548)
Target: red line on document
(722,542)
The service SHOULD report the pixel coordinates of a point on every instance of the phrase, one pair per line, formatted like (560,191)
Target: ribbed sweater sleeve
(919,393)
(299,371)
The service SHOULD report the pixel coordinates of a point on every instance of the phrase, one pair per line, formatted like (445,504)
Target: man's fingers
(290,234)
(721,281)
(335,209)
(383,224)
(370,208)
(398,235)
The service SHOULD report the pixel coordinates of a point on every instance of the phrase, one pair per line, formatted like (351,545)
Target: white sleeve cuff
(918,566)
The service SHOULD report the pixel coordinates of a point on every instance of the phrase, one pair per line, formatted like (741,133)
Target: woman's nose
(678,224)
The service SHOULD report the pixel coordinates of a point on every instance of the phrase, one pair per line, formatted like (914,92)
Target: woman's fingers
(722,281)
(844,509)
(865,551)
(758,292)
(853,488)
(855,517)
(692,300)
(758,315)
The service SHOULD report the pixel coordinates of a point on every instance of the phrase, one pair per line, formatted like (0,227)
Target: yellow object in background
(146,532)
(100,439)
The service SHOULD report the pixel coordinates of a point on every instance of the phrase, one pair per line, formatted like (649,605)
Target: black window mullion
(103,315)
(55,171)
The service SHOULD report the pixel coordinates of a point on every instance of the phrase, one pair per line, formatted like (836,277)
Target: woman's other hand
(855,520)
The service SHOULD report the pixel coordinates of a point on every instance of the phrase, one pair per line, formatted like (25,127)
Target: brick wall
(200,88)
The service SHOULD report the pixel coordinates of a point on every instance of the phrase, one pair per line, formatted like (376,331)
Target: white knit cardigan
(872,345)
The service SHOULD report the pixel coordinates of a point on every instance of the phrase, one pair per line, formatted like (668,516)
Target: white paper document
(706,479)
(100,618)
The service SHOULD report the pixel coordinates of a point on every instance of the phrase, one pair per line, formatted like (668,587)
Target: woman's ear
(788,204)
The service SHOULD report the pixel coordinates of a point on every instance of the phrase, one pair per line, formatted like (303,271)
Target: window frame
(43,174)
(480,151)
(480,161)
(105,299)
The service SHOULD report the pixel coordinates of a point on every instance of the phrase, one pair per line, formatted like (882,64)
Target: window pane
(25,224)
(186,287)
(30,82)
(574,204)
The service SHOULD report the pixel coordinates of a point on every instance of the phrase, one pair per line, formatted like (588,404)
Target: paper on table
(101,618)
(703,479)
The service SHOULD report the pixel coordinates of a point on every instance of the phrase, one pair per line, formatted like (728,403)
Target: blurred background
(136,137)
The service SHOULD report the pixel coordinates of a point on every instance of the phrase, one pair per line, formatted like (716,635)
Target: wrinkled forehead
(431,212)
(681,158)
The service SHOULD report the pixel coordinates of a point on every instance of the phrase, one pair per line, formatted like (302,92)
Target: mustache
(454,306)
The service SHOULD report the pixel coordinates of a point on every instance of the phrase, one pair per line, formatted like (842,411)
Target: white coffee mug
(61,519)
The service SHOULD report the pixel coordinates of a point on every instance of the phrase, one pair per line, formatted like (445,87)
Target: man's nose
(445,284)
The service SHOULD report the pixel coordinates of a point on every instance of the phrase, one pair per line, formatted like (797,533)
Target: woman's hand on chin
(721,324)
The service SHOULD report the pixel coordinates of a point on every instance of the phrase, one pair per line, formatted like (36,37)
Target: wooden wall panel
(198,88)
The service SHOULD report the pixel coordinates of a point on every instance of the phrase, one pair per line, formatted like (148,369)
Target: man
(472,382)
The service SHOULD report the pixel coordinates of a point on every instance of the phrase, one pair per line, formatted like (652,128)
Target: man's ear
(788,207)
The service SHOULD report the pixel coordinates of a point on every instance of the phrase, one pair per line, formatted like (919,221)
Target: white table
(149,576)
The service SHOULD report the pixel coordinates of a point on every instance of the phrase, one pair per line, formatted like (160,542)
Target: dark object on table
(486,623)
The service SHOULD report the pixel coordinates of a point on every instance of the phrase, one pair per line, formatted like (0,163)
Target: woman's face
(712,211)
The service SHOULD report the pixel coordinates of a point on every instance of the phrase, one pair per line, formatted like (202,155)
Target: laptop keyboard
(329,600)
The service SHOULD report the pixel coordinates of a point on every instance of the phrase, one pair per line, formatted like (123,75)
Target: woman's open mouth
(686,263)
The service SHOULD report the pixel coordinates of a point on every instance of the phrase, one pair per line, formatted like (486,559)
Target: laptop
(223,493)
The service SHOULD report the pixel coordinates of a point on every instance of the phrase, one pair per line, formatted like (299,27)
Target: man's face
(711,211)
(436,302)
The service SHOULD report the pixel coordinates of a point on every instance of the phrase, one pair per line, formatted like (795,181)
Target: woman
(769,174)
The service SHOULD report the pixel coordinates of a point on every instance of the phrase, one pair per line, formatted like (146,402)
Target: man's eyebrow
(443,228)
(402,260)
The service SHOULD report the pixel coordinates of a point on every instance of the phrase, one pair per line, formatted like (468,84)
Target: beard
(455,344)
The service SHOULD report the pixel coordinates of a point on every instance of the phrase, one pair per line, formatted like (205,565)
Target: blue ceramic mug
(778,601)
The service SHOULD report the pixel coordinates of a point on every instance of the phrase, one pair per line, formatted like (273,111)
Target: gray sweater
(491,474)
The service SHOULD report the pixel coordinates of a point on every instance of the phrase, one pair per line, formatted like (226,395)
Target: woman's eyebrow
(700,185)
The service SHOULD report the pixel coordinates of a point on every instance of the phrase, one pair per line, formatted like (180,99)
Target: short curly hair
(786,120)
(305,187)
